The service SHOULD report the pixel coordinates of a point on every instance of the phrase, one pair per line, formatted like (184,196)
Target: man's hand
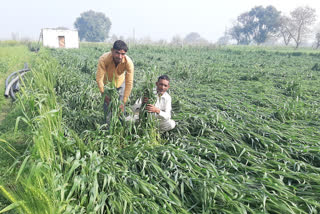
(107,100)
(122,107)
(152,109)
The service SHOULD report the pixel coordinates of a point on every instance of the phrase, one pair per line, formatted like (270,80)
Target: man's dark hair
(163,77)
(120,45)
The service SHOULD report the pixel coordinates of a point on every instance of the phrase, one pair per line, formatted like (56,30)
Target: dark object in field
(12,82)
(316,67)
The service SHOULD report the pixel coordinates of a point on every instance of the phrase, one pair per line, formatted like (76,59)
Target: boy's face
(162,86)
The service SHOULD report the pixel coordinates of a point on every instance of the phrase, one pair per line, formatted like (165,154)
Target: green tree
(93,26)
(256,25)
(239,33)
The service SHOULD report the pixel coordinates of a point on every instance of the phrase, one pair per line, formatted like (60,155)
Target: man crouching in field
(115,65)
(162,107)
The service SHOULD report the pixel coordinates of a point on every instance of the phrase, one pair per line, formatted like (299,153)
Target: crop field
(247,138)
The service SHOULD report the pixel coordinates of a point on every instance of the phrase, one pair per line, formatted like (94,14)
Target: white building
(59,38)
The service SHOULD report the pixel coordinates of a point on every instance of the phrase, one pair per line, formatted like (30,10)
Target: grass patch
(13,55)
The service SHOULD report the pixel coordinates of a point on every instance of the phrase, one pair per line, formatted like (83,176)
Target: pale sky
(154,19)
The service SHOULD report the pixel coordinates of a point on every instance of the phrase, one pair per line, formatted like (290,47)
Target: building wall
(50,38)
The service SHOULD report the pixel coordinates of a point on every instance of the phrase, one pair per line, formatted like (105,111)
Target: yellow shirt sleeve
(101,71)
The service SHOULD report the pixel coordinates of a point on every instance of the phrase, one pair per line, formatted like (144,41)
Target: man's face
(162,86)
(117,55)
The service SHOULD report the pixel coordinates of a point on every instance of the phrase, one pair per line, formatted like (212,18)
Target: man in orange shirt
(116,65)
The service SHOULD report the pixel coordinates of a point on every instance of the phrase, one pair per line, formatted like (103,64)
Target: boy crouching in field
(162,107)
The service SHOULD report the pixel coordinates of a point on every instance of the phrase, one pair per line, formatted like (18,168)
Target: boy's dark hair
(163,77)
(120,45)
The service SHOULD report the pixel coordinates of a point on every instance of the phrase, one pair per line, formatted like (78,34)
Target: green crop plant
(246,140)
(148,125)
(114,115)
(42,115)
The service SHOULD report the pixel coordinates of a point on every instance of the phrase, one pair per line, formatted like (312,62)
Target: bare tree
(317,42)
(176,40)
(301,20)
(285,29)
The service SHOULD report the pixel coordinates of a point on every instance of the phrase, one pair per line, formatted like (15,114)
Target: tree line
(95,27)
(256,26)
(262,23)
